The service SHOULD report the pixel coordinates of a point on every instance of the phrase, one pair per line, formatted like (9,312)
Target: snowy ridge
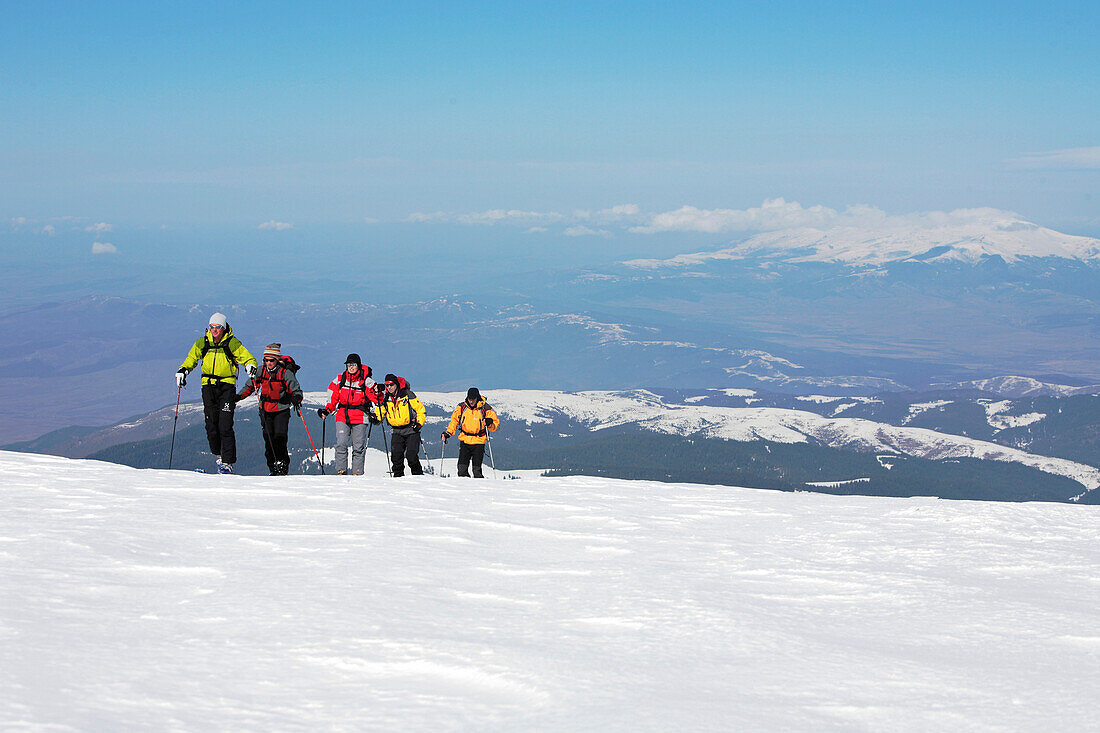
(156,600)
(602,410)
(1012,386)
(967,236)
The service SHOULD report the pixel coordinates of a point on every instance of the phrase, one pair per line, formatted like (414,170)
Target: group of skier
(356,403)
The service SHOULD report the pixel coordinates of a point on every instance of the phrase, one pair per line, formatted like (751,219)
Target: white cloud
(772,214)
(49,230)
(583,231)
(421,218)
(276,226)
(536,230)
(533,219)
(371,220)
(622,210)
(104,248)
(1066,159)
(496,216)
(101,227)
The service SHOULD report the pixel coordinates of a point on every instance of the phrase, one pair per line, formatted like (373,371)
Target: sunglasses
(216,328)
(269,359)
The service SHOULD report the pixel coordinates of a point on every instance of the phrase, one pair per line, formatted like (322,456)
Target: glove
(296,400)
(489,422)
(322,413)
(251,370)
(444,436)
(181,378)
(415,426)
(368,381)
(373,420)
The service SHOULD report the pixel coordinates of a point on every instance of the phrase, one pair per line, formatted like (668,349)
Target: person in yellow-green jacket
(405,413)
(220,354)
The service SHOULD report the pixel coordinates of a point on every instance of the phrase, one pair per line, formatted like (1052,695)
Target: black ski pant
(219,400)
(468,452)
(276,427)
(405,445)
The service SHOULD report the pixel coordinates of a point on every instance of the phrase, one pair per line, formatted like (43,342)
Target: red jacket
(352,396)
(278,389)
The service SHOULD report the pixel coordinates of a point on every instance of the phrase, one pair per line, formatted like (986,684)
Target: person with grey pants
(353,395)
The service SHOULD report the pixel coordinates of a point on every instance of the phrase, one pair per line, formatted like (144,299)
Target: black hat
(391,378)
(473,394)
(353,359)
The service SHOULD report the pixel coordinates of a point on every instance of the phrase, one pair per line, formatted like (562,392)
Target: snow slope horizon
(153,599)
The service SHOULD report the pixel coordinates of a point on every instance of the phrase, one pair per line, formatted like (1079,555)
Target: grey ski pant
(357,436)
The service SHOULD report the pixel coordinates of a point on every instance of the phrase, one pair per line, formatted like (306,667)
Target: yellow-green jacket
(219,364)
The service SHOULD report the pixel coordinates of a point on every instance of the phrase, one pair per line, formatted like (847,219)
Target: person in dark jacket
(405,413)
(353,395)
(279,390)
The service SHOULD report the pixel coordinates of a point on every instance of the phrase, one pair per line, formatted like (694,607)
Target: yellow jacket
(402,409)
(220,362)
(473,422)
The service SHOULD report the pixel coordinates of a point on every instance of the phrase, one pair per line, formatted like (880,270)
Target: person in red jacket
(279,390)
(353,397)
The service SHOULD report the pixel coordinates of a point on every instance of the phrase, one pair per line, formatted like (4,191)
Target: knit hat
(391,378)
(354,359)
(272,350)
(473,394)
(218,319)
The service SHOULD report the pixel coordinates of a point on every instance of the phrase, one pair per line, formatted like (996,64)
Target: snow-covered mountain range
(941,428)
(967,236)
(156,600)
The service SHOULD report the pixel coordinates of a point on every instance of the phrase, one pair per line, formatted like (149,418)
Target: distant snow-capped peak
(873,238)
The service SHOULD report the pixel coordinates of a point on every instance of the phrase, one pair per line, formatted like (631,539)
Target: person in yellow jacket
(220,354)
(474,420)
(405,413)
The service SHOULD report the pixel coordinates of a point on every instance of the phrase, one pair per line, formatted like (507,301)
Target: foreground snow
(154,600)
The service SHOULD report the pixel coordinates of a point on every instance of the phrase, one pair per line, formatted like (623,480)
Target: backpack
(284,363)
(287,362)
(482,410)
(222,347)
(366,406)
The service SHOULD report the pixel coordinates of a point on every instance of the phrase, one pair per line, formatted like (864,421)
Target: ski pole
(370,428)
(324,422)
(424,452)
(172,449)
(311,445)
(442,449)
(388,451)
(263,425)
(489,444)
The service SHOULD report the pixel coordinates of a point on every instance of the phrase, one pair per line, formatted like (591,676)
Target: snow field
(160,600)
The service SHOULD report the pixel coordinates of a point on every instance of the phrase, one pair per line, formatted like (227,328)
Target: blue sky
(215,117)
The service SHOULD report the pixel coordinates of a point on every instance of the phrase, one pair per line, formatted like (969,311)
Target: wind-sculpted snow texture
(600,410)
(149,600)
